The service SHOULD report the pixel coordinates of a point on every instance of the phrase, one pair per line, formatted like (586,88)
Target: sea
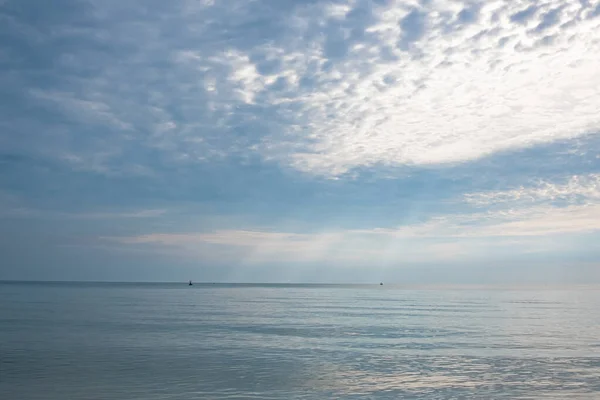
(101,341)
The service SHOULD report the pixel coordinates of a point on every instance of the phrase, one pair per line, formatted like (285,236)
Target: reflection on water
(72,341)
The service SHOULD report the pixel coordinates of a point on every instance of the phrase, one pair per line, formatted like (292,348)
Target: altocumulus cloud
(421,93)
(322,87)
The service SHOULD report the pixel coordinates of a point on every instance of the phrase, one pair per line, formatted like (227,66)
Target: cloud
(525,220)
(439,239)
(538,221)
(466,237)
(259,246)
(236,110)
(324,88)
(151,213)
(455,94)
(12,206)
(578,189)
(546,208)
(86,110)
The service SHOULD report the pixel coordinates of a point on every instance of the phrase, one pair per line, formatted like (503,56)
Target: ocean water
(171,341)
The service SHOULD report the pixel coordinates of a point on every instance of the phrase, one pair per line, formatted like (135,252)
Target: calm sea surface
(171,341)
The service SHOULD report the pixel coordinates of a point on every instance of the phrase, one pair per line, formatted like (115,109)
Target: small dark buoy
(190,283)
(380,283)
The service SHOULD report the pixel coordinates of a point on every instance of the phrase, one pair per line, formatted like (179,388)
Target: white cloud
(452,94)
(546,208)
(329,87)
(244,79)
(584,188)
(526,221)
(440,239)
(256,245)
(536,221)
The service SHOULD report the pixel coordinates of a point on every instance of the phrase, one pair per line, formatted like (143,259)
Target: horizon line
(390,284)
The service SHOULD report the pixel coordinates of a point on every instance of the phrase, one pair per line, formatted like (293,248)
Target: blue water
(171,341)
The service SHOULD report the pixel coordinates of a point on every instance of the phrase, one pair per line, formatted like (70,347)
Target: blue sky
(349,141)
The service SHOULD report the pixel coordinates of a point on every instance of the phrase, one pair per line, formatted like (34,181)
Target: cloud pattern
(472,125)
(324,88)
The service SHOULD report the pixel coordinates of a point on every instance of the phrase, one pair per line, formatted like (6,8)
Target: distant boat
(190,284)
(380,283)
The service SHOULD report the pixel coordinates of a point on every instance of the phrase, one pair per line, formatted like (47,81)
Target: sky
(432,141)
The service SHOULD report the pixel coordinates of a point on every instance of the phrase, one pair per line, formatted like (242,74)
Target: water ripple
(259,342)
